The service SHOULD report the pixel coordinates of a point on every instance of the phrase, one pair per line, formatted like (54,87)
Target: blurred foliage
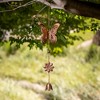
(23,23)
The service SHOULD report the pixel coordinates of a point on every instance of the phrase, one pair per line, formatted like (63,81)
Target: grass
(73,77)
(10,90)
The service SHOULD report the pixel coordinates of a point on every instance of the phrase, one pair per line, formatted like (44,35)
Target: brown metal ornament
(49,35)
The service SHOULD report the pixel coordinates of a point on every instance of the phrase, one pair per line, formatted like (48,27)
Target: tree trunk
(96,38)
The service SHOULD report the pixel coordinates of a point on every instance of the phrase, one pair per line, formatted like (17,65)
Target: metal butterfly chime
(49,36)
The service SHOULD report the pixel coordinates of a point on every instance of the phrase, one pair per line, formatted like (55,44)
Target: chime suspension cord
(48,44)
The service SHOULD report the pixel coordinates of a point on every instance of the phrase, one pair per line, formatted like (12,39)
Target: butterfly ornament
(49,35)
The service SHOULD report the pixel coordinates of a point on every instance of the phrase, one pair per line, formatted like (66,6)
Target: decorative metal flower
(48,87)
(49,67)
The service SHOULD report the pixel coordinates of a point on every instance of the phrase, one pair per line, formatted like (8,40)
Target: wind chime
(49,37)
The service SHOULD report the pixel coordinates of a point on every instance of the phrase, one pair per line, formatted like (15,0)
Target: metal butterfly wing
(45,34)
(52,33)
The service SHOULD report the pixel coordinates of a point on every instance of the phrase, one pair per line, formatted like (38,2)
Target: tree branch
(24,5)
(3,1)
(58,4)
(83,8)
(77,7)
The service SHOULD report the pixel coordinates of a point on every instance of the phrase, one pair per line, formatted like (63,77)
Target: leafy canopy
(22,22)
